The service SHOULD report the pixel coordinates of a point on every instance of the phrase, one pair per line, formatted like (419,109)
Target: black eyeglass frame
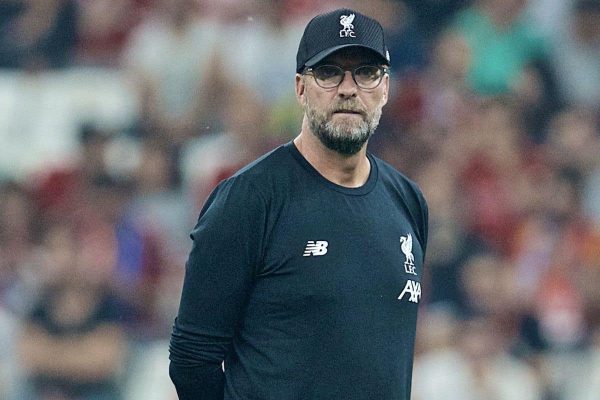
(383,69)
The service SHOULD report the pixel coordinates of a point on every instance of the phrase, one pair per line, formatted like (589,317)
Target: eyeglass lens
(365,76)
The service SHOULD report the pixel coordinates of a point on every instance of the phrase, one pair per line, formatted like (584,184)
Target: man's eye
(327,72)
(368,71)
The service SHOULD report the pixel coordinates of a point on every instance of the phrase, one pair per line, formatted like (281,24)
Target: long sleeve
(227,248)
(201,382)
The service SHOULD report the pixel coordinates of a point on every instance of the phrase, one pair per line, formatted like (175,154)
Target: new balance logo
(414,289)
(315,248)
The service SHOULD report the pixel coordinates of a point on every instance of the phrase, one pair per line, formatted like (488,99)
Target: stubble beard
(344,137)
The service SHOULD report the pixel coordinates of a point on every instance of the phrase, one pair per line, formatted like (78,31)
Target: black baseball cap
(335,30)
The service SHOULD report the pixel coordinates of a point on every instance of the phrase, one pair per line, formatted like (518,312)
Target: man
(304,277)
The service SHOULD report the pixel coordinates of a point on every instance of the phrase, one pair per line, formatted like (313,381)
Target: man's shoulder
(267,171)
(391,175)
(266,164)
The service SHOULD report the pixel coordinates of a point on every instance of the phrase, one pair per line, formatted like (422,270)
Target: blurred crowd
(118,117)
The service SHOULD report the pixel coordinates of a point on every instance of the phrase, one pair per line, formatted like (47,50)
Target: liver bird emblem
(346,21)
(406,247)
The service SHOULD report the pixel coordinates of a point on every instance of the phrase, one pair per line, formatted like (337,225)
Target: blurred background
(118,117)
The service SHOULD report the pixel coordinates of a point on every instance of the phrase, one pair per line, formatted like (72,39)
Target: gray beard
(343,138)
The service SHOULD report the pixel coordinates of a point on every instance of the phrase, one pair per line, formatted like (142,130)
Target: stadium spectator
(584,382)
(17,242)
(251,35)
(174,95)
(104,27)
(433,15)
(37,34)
(575,51)
(72,344)
(502,44)
(469,360)
(11,385)
(407,46)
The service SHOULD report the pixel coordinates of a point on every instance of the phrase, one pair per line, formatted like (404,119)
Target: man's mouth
(348,112)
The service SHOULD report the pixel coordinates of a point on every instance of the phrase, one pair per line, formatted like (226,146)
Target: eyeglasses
(331,76)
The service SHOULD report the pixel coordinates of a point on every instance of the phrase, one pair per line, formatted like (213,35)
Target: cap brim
(314,60)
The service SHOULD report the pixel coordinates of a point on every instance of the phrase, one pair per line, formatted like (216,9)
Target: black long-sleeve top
(303,288)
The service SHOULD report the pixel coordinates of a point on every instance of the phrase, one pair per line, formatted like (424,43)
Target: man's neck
(345,170)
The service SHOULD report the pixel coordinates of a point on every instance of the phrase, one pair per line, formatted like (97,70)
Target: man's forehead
(353,55)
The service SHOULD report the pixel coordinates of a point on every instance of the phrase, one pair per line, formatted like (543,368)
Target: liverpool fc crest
(406,247)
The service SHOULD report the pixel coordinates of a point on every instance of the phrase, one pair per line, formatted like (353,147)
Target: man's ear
(300,87)
(386,88)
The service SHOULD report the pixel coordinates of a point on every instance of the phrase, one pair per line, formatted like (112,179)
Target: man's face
(343,117)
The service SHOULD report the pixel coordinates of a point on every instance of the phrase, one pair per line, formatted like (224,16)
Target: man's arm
(203,382)
(227,247)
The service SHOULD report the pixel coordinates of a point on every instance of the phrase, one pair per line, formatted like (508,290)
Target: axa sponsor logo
(315,248)
(413,289)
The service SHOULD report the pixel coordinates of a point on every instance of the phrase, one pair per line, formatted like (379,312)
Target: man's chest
(348,252)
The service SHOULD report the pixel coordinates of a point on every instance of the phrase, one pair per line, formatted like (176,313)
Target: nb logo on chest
(315,248)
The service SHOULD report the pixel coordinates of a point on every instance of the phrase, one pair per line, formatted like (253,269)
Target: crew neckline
(358,191)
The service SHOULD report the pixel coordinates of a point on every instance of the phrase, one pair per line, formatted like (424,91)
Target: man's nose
(347,87)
